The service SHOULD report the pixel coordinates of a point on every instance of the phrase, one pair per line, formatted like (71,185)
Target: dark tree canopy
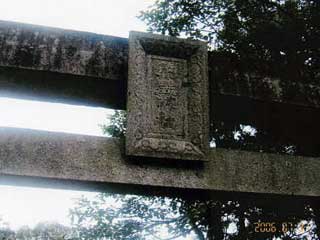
(113,216)
(277,37)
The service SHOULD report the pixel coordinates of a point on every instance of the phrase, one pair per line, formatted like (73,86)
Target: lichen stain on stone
(96,62)
(24,56)
(57,62)
(70,51)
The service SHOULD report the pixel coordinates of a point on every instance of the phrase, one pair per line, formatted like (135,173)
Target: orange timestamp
(273,227)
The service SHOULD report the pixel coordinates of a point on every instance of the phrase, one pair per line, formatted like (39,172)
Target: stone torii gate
(169,109)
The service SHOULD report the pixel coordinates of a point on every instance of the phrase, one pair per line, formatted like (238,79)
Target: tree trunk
(215,228)
(243,233)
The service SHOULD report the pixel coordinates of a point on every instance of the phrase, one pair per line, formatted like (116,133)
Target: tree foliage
(274,37)
(117,125)
(114,216)
(42,231)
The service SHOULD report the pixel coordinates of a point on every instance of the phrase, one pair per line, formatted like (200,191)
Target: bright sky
(111,17)
(52,116)
(27,206)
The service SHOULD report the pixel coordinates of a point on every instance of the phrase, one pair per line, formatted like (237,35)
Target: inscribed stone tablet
(167,98)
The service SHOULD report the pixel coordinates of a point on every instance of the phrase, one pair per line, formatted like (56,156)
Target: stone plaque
(167,98)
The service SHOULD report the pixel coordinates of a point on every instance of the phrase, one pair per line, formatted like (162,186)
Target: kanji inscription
(167,98)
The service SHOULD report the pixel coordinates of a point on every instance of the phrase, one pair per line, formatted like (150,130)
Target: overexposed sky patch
(52,116)
(28,206)
(111,17)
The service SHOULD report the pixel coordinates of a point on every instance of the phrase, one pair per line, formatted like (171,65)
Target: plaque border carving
(195,145)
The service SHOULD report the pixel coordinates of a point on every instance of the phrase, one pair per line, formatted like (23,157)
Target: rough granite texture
(91,69)
(65,51)
(168,102)
(92,55)
(96,159)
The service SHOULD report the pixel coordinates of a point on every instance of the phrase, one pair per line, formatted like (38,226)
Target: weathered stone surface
(85,54)
(101,160)
(54,62)
(64,51)
(168,105)
(63,88)
(228,76)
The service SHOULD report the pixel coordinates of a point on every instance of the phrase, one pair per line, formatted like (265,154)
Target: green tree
(5,232)
(117,125)
(114,216)
(274,37)
(24,233)
(50,231)
(42,231)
